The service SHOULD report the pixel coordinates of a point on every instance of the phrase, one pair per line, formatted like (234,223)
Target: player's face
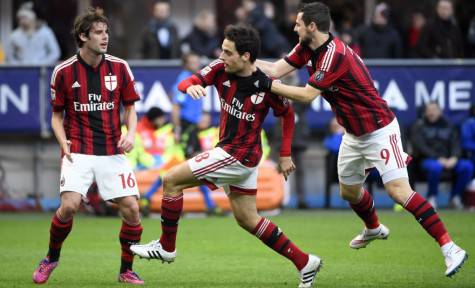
(305,36)
(233,62)
(98,38)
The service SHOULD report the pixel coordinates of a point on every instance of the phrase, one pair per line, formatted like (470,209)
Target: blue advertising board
(405,88)
(20,100)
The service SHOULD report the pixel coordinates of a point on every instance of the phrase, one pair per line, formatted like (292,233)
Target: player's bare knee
(348,195)
(169,185)
(398,190)
(68,209)
(245,221)
(128,205)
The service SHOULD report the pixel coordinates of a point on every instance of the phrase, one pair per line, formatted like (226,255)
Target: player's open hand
(66,145)
(126,142)
(286,166)
(196,91)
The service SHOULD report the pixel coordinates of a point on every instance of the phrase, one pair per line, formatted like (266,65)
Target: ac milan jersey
(243,111)
(345,83)
(91,99)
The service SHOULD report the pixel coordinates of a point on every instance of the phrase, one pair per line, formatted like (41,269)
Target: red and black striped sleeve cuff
(193,80)
(287,59)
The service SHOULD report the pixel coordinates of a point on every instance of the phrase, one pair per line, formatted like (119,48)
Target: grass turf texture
(215,252)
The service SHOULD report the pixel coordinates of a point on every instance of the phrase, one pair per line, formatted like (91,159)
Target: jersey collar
(324,45)
(89,66)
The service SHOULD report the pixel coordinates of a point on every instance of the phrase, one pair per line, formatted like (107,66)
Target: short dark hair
(245,38)
(83,23)
(154,113)
(318,13)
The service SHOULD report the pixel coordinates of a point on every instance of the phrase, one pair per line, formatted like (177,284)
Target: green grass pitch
(215,252)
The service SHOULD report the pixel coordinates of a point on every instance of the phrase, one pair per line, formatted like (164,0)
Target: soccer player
(87,91)
(372,137)
(232,164)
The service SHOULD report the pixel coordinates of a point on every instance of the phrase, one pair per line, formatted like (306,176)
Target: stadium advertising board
(20,100)
(405,88)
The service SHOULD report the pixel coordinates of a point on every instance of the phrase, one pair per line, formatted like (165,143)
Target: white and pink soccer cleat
(454,259)
(365,237)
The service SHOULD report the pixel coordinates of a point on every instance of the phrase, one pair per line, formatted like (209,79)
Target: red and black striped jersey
(345,83)
(91,98)
(243,111)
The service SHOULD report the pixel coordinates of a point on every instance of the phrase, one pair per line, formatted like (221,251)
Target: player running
(372,137)
(232,164)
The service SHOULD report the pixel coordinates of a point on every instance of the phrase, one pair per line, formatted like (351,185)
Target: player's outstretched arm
(276,69)
(300,94)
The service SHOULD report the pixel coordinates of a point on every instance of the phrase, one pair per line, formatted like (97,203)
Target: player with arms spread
(232,164)
(372,137)
(87,91)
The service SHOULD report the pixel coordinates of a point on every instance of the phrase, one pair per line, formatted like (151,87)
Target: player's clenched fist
(126,142)
(196,91)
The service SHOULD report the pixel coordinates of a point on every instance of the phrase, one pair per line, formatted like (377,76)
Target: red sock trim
(366,211)
(273,237)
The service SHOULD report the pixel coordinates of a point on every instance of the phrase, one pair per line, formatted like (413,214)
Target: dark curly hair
(245,38)
(83,23)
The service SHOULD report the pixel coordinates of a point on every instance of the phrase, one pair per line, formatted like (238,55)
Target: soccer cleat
(153,250)
(454,260)
(44,270)
(364,238)
(130,277)
(309,272)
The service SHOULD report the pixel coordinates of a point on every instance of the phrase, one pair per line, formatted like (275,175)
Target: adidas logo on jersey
(76,85)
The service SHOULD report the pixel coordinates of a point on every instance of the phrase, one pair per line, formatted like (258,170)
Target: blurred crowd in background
(394,29)
(431,29)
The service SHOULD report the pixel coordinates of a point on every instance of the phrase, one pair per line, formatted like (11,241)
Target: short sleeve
(57,90)
(208,74)
(331,68)
(297,57)
(129,93)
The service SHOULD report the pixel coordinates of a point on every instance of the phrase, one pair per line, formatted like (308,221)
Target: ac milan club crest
(257,98)
(110,82)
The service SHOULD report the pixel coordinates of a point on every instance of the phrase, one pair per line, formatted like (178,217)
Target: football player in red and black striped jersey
(87,91)
(232,164)
(372,137)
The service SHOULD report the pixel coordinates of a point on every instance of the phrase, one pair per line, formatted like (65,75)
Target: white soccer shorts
(381,149)
(112,173)
(216,168)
